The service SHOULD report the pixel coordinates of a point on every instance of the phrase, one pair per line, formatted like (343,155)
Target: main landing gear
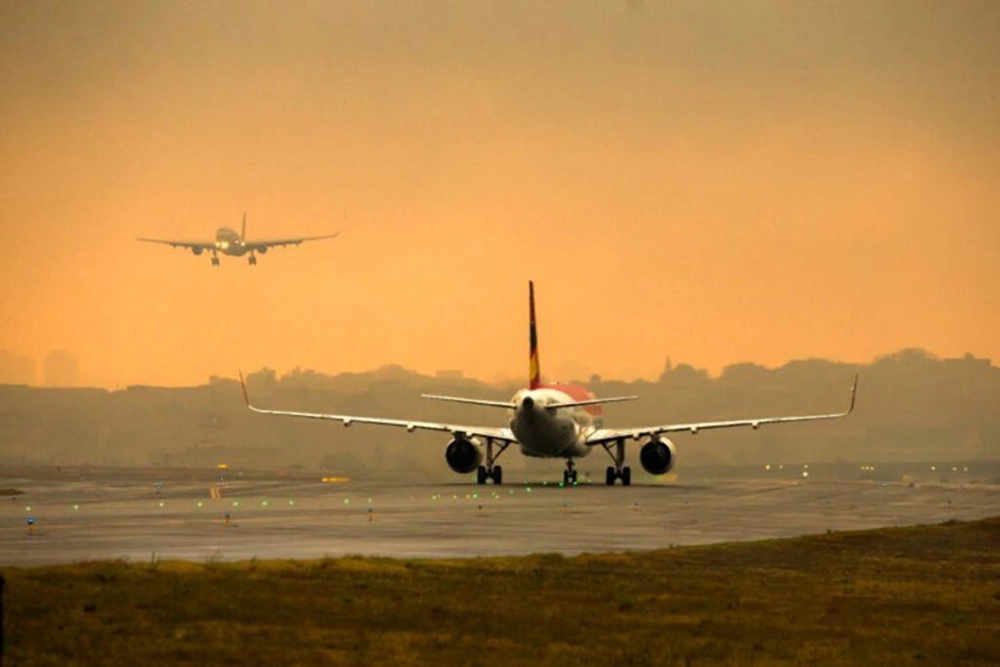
(569,474)
(619,470)
(491,470)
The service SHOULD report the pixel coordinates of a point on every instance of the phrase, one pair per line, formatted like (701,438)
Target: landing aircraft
(228,242)
(551,421)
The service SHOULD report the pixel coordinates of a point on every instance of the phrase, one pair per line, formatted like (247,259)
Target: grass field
(924,595)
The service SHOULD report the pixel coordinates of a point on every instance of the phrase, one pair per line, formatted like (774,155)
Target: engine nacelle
(261,249)
(463,456)
(657,456)
(197,250)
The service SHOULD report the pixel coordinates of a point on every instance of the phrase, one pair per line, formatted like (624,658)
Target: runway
(153,515)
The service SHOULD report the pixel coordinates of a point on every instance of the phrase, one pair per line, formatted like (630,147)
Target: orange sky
(717,182)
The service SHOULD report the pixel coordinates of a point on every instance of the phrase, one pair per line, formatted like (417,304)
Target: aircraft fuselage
(544,431)
(229,242)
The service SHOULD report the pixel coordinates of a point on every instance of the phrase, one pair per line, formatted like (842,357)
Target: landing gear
(215,259)
(252,259)
(491,470)
(619,470)
(569,474)
(496,474)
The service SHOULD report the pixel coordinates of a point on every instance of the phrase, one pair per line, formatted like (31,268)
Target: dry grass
(926,595)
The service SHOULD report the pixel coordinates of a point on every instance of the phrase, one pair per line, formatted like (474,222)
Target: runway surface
(82,515)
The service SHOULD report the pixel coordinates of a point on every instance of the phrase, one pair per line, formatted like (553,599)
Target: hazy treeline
(911,407)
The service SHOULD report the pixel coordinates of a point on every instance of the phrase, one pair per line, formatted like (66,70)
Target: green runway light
(27,508)
(369,500)
(347,501)
(200,503)
(291,502)
(76,507)
(264,503)
(161,503)
(236,503)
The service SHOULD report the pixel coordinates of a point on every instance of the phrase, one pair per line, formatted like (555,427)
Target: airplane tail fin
(243,230)
(534,372)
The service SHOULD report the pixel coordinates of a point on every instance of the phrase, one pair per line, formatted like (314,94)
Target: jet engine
(657,456)
(261,249)
(463,455)
(197,250)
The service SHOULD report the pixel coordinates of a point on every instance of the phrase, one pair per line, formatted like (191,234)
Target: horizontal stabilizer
(511,406)
(471,401)
(592,401)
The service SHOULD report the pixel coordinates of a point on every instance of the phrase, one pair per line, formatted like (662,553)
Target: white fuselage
(228,242)
(551,432)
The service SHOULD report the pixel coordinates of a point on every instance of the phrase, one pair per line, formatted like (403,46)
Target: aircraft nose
(528,403)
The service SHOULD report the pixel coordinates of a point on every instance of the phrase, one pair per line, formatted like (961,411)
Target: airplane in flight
(552,421)
(228,242)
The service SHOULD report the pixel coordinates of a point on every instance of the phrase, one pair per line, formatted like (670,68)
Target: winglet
(854,392)
(246,399)
(534,372)
(243,231)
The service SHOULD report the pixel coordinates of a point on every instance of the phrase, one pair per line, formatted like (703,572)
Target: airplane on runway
(551,421)
(228,242)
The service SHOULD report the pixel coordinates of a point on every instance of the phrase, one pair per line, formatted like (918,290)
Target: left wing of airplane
(273,243)
(193,245)
(492,433)
(606,435)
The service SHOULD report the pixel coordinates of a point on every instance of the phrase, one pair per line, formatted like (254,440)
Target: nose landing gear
(252,260)
(569,475)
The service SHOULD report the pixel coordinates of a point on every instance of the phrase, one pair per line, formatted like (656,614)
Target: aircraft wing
(605,435)
(273,243)
(494,433)
(203,245)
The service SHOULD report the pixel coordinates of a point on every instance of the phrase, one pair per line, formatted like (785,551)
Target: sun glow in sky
(717,182)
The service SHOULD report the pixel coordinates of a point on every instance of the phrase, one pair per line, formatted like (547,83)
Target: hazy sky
(714,181)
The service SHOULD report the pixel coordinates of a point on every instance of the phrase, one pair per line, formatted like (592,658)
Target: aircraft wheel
(497,475)
(481,475)
(609,477)
(626,476)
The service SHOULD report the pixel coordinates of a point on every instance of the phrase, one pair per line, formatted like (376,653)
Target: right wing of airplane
(606,435)
(273,243)
(488,432)
(198,246)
